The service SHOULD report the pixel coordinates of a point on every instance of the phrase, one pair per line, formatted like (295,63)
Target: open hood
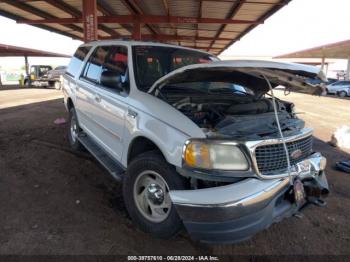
(296,77)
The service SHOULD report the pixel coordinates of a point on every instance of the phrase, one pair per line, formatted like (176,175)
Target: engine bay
(234,114)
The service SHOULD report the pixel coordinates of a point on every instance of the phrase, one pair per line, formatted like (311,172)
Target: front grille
(272,158)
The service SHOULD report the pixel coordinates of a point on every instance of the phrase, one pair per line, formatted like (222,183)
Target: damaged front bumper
(235,212)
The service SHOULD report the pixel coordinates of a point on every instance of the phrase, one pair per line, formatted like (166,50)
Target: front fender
(168,139)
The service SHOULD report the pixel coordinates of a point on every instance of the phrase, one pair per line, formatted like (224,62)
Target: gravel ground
(56,202)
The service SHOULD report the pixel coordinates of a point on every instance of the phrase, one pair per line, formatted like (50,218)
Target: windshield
(209,87)
(153,62)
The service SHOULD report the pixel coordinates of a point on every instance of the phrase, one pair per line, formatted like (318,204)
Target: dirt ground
(53,201)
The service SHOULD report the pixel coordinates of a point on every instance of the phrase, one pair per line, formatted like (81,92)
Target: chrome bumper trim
(250,192)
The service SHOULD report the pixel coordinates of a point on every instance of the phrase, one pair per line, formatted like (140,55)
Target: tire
(57,85)
(342,94)
(74,130)
(160,222)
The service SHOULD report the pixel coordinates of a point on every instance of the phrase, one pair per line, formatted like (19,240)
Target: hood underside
(250,73)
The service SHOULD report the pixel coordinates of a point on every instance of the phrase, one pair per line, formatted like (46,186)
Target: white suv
(195,141)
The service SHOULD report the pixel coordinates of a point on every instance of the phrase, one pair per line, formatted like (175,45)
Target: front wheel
(342,94)
(147,183)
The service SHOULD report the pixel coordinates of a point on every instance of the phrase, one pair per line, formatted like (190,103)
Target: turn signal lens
(190,155)
(214,156)
(197,154)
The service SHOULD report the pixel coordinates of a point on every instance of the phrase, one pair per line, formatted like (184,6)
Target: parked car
(344,92)
(194,140)
(337,86)
(54,76)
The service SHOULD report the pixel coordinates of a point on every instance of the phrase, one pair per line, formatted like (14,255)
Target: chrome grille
(272,158)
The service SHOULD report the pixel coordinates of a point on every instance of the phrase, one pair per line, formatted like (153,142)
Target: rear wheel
(74,130)
(342,94)
(147,183)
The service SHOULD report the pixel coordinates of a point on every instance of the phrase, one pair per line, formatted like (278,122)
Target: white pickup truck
(197,142)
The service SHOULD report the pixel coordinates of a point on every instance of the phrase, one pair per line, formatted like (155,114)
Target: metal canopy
(339,50)
(9,50)
(210,25)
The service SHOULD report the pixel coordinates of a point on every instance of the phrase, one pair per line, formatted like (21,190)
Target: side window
(114,73)
(92,70)
(77,60)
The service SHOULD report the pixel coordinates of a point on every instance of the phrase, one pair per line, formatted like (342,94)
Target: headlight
(200,154)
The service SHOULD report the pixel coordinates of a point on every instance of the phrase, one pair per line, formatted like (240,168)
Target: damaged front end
(251,170)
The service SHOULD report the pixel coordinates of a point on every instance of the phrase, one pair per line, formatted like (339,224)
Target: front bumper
(235,212)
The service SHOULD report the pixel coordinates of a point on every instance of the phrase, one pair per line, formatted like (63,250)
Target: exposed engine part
(254,127)
(252,119)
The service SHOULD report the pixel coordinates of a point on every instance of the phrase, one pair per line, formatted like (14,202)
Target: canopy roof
(339,50)
(210,25)
(9,50)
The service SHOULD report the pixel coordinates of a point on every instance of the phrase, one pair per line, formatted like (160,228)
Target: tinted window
(92,71)
(110,62)
(116,63)
(77,60)
(153,62)
(209,87)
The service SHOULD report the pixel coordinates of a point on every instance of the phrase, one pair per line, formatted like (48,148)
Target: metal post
(26,65)
(136,33)
(90,20)
(323,63)
(347,77)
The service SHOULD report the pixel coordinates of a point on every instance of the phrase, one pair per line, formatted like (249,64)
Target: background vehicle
(334,87)
(344,92)
(38,75)
(195,141)
(55,75)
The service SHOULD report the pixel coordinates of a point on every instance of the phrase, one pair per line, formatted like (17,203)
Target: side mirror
(112,79)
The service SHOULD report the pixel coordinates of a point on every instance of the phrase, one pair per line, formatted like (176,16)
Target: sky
(300,25)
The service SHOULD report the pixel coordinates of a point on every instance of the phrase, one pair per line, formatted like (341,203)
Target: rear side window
(110,62)
(77,60)
(93,67)
(116,62)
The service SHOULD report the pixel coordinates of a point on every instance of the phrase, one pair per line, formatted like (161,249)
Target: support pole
(90,20)
(26,65)
(136,33)
(327,68)
(347,77)
(323,63)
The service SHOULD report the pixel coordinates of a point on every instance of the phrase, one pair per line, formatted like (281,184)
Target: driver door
(107,104)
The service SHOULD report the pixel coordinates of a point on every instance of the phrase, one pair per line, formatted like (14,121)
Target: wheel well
(141,145)
(70,103)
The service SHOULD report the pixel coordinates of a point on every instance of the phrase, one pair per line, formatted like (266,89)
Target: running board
(112,166)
